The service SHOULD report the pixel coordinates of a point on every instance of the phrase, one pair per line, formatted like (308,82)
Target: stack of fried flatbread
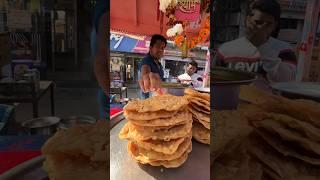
(199,106)
(78,153)
(282,141)
(159,130)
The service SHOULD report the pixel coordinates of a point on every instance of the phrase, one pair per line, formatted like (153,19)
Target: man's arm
(149,81)
(285,67)
(101,62)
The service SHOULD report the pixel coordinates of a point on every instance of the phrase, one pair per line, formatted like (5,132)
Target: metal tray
(123,167)
(298,90)
(28,170)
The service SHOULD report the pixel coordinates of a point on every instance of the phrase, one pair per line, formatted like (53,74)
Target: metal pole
(75,29)
(53,30)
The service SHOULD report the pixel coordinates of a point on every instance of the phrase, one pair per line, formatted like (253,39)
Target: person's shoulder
(232,43)
(240,47)
(146,60)
(280,44)
(197,75)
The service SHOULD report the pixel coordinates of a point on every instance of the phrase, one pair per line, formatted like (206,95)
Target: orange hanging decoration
(193,34)
(178,40)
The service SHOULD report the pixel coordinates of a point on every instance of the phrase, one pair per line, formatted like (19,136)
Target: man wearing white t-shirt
(191,77)
(259,51)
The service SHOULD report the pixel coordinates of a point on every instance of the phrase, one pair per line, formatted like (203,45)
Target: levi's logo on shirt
(254,67)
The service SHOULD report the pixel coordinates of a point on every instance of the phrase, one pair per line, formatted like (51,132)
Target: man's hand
(150,82)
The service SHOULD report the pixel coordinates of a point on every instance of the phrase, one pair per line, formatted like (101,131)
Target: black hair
(157,37)
(271,7)
(194,64)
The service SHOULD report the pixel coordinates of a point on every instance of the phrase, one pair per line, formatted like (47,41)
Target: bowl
(68,122)
(225,85)
(41,126)
(176,89)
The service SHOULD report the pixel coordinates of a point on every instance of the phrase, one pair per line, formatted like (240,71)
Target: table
(18,149)
(119,90)
(33,97)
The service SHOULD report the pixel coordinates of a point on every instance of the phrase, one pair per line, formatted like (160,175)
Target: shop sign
(143,46)
(19,19)
(166,73)
(121,43)
(188,10)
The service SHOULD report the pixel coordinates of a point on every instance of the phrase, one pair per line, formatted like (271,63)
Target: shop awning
(136,17)
(130,43)
(124,42)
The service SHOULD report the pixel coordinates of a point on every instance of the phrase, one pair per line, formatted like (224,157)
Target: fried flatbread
(164,102)
(200,115)
(165,147)
(65,167)
(231,129)
(259,149)
(288,149)
(173,163)
(236,164)
(295,126)
(152,115)
(200,133)
(194,93)
(293,109)
(199,101)
(204,123)
(180,118)
(130,132)
(289,136)
(147,156)
(86,140)
(277,164)
(199,108)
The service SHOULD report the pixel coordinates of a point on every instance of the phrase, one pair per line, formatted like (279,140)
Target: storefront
(124,58)
(127,51)
(174,65)
(124,68)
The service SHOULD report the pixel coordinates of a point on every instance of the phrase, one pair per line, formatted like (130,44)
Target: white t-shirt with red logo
(274,61)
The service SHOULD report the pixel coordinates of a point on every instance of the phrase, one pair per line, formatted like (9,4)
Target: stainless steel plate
(41,122)
(307,90)
(123,167)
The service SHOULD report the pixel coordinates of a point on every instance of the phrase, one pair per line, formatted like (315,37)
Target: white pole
(307,39)
(206,73)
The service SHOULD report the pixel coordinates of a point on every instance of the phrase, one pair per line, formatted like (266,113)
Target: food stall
(136,131)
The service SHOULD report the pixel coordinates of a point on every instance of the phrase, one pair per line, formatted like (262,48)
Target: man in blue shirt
(150,68)
(100,51)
